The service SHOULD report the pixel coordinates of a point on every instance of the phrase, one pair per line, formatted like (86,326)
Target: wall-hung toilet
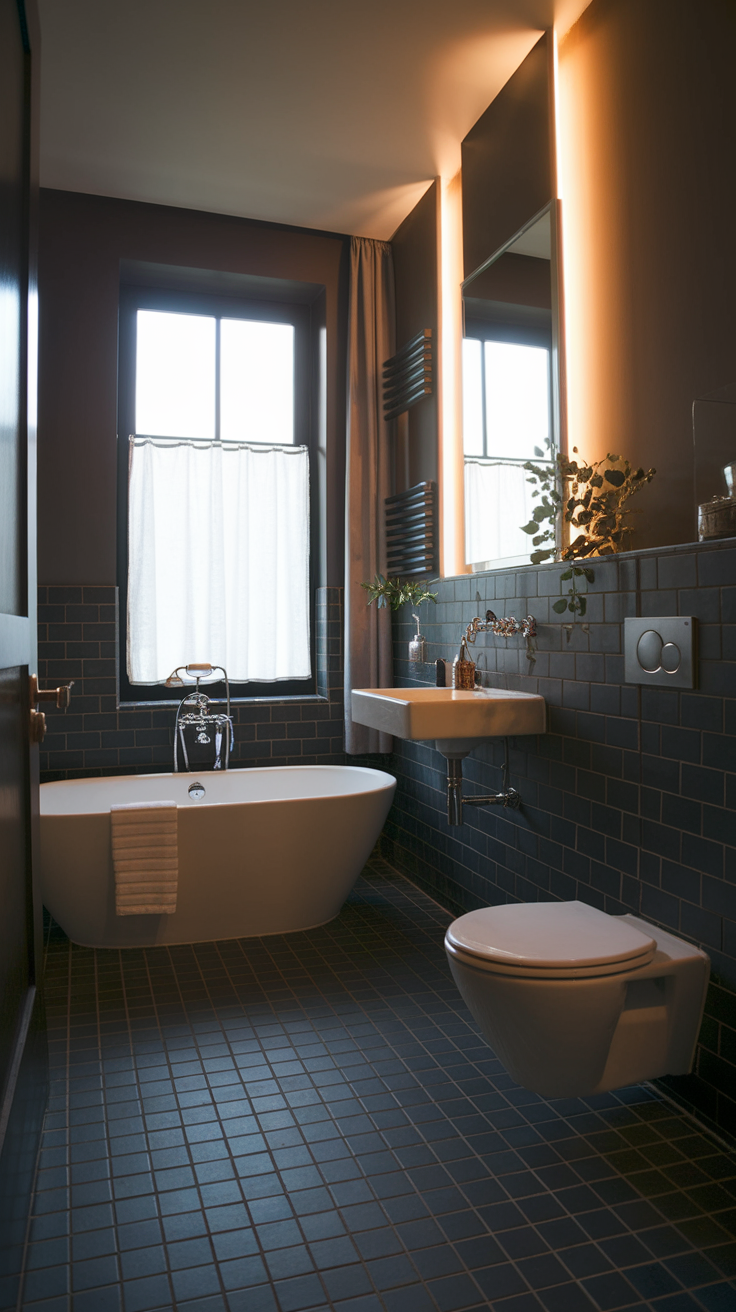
(574,1001)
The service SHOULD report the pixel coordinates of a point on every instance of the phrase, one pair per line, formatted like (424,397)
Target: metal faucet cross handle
(503,628)
(509,625)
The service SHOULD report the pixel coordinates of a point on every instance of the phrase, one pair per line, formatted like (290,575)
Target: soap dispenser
(417,646)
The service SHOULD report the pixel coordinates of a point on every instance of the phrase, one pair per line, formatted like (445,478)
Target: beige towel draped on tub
(145,858)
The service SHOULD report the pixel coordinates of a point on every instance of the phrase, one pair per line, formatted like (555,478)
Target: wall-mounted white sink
(447,714)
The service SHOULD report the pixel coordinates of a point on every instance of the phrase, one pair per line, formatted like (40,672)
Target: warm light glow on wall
(572,186)
(556,110)
(450,263)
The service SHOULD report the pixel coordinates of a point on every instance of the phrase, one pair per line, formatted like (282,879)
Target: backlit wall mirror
(511,321)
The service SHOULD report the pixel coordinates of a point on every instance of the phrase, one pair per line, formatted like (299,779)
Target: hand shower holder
(193,713)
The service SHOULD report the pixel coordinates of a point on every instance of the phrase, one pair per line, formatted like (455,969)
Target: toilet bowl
(574,1001)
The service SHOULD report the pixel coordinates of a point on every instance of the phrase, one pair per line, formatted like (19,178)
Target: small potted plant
(395,593)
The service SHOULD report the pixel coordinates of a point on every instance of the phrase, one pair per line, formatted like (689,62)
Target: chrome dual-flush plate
(660,650)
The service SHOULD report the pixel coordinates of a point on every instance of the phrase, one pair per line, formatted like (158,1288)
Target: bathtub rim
(387,780)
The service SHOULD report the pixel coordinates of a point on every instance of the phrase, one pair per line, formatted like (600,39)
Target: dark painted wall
(518,279)
(415,252)
(506,161)
(629,799)
(82,241)
(648,143)
(511,300)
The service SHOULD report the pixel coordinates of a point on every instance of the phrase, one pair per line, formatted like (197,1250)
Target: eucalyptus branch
(591,497)
(575,601)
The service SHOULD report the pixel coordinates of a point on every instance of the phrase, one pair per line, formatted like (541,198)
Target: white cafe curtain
(498,501)
(218,559)
(370,344)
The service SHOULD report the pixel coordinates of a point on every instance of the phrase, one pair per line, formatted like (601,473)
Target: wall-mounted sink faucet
(505,628)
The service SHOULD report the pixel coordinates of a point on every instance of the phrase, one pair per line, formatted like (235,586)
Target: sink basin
(443,713)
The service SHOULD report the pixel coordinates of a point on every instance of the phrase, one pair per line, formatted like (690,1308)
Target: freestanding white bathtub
(264,851)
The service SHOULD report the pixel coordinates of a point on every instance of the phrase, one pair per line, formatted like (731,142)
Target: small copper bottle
(463,670)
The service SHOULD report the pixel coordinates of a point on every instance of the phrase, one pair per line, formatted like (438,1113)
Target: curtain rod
(205,443)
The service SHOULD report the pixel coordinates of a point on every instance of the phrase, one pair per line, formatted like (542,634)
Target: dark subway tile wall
(312,1123)
(628,800)
(77,639)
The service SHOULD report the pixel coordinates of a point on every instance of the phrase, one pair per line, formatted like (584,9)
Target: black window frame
(134,297)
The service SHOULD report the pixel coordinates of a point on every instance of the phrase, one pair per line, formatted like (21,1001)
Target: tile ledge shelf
(717,544)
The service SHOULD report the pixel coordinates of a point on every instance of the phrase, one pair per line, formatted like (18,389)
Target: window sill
(297,699)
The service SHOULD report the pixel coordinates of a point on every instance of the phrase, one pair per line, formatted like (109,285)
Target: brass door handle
(61,695)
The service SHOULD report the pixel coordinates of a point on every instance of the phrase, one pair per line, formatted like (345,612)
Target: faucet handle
(476,626)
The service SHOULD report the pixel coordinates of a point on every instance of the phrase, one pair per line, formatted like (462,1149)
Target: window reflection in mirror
(507,393)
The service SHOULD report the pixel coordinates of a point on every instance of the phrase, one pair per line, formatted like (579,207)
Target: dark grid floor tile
(311,1122)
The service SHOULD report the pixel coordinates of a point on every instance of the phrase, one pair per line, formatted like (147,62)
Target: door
(23,1062)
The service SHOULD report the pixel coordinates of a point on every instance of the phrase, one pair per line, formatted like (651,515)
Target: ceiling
(330,114)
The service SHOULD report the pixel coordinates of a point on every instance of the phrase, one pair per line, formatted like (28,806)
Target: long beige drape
(370,343)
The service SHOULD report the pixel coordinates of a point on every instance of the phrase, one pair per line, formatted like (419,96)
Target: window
(207,377)
(506,421)
(215,492)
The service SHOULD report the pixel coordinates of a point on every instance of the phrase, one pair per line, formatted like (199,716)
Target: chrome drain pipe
(508,796)
(455,791)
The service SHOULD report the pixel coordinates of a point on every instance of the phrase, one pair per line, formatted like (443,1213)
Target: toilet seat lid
(550,936)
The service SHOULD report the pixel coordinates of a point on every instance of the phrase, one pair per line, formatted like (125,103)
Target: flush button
(671,657)
(663,655)
(649,651)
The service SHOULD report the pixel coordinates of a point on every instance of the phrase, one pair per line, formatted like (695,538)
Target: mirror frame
(557,373)
(552,205)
